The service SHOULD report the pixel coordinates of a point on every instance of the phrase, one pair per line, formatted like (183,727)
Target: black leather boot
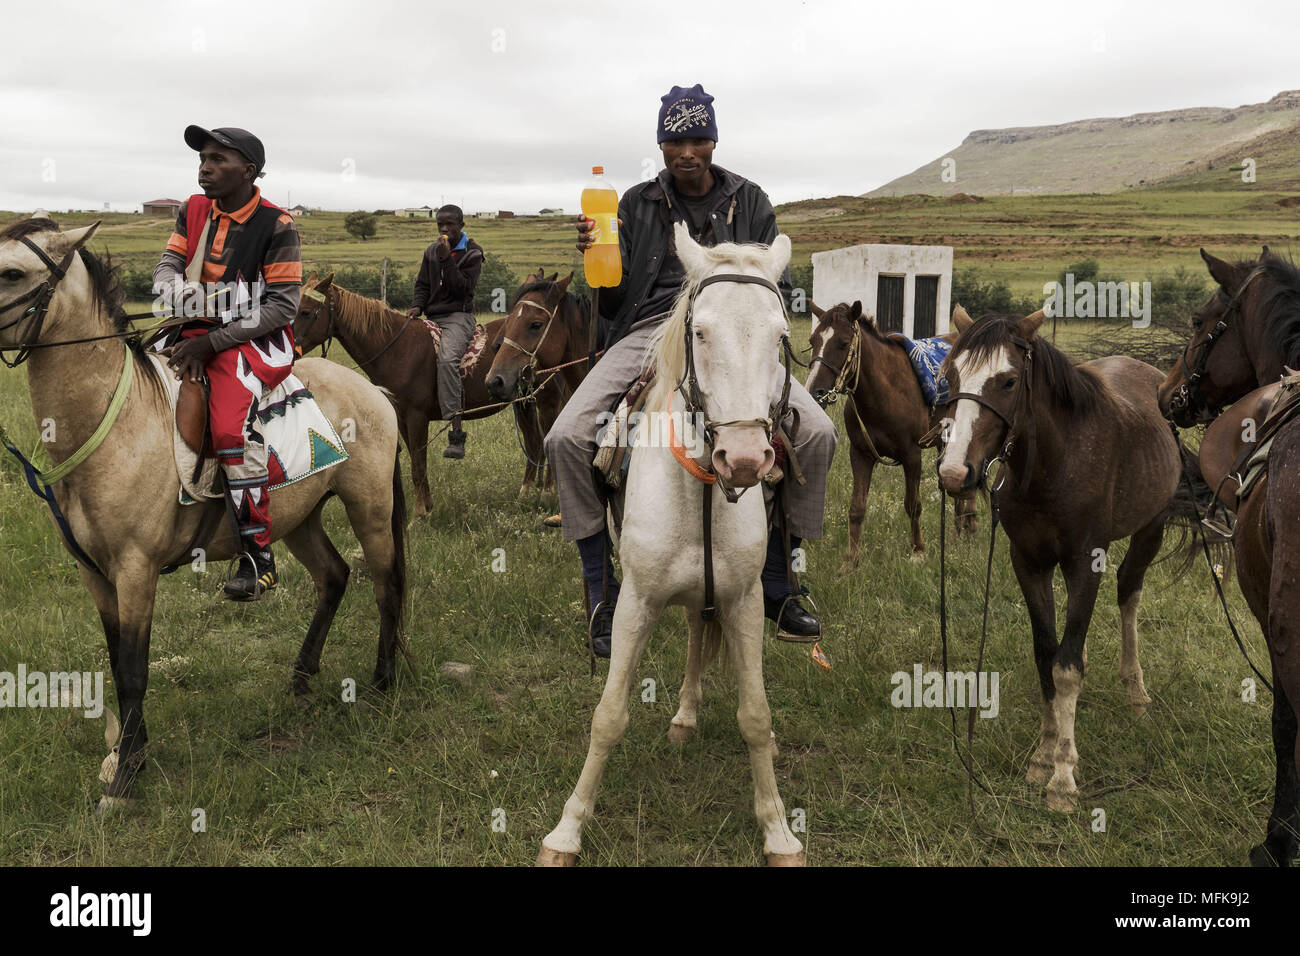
(793,623)
(455,441)
(256,575)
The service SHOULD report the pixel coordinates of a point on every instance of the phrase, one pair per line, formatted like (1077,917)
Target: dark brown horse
(885,413)
(399,354)
(1246,336)
(1086,459)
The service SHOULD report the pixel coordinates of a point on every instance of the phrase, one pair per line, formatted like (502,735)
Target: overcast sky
(507,105)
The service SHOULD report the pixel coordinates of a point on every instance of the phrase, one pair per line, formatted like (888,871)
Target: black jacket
(648,211)
(445,287)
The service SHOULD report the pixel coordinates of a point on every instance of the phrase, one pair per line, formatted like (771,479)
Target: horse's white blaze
(819,344)
(972,377)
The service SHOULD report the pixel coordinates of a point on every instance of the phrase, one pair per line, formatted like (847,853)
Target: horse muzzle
(744,458)
(501,385)
(959,478)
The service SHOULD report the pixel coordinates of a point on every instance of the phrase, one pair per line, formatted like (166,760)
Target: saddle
(192,417)
(1285,409)
(473,351)
(926,355)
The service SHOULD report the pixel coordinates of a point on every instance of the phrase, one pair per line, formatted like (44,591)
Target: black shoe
(600,631)
(256,576)
(455,444)
(794,623)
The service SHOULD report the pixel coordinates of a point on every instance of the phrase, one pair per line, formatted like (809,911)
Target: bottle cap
(598,170)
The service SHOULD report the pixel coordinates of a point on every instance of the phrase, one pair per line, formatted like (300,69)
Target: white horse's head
(23,273)
(736,330)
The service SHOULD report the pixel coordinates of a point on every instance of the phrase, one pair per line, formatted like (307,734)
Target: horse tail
(712,643)
(1193,500)
(397,574)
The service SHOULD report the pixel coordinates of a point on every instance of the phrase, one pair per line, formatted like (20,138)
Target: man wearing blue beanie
(717,206)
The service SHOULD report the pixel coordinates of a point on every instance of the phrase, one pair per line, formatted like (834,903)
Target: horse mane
(1281,306)
(869,323)
(546,286)
(366,316)
(1053,372)
(667,349)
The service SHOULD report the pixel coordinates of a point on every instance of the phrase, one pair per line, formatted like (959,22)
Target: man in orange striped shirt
(234,263)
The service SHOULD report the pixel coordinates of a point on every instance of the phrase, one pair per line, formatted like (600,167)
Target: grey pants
(571,442)
(457,331)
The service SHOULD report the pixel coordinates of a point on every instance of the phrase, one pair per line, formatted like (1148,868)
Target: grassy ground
(420,775)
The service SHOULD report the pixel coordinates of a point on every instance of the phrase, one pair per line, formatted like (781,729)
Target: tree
(360,224)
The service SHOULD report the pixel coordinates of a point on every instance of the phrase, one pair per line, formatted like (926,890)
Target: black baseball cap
(232,137)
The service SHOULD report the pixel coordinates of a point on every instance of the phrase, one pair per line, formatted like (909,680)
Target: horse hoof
(680,733)
(115,806)
(108,769)
(549,857)
(1062,802)
(918,557)
(786,859)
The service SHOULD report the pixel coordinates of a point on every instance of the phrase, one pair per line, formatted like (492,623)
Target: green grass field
(417,776)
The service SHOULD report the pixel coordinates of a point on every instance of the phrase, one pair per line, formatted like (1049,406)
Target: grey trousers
(457,331)
(571,442)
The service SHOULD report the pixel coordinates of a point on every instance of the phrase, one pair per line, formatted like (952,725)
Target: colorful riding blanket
(926,355)
(300,440)
(472,354)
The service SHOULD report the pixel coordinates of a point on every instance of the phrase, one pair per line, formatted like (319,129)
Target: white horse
(736,330)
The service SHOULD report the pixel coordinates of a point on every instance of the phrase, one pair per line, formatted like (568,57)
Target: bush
(495,275)
(361,224)
(980,298)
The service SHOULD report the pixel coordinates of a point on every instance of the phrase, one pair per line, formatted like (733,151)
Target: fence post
(383,281)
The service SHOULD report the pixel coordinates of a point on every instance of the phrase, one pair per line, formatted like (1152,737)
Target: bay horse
(1243,340)
(546,328)
(885,414)
(122,502)
(398,353)
(1086,459)
(734,318)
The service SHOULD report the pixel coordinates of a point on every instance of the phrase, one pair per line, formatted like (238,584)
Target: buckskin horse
(400,354)
(1086,459)
(717,359)
(885,414)
(1245,337)
(122,501)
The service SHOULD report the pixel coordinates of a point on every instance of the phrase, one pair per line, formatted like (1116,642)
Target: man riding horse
(717,206)
(444,291)
(234,263)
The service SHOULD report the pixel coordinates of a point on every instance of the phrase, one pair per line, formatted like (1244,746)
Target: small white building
(907,288)
(424,212)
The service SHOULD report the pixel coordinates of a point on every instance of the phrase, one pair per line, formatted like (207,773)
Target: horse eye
(535,326)
(699,335)
(1009,384)
(12,275)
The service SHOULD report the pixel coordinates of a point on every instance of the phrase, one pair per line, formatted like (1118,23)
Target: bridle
(852,367)
(694,401)
(39,297)
(1019,423)
(526,375)
(327,306)
(1189,398)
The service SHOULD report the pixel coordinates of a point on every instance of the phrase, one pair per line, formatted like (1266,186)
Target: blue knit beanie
(687,114)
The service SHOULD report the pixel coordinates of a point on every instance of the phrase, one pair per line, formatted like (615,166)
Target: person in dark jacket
(718,206)
(444,291)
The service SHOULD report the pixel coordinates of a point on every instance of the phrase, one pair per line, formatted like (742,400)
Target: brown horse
(1087,459)
(1245,336)
(885,413)
(122,503)
(398,353)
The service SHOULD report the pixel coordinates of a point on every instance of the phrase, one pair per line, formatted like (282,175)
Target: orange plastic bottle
(602,263)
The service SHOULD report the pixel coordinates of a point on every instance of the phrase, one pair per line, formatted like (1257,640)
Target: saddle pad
(300,440)
(926,355)
(472,353)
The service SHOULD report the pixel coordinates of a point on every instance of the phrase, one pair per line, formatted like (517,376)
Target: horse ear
(554,276)
(76,238)
(689,252)
(1222,272)
(816,310)
(1030,323)
(961,318)
(310,279)
(1264,253)
(778,256)
(325,282)
(563,283)
(855,311)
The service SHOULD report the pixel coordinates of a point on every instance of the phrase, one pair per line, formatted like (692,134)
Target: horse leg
(682,727)
(527,433)
(1142,550)
(912,501)
(743,630)
(863,464)
(1081,584)
(966,517)
(379,521)
(1280,841)
(415,427)
(329,572)
(1036,585)
(634,618)
(105,597)
(135,584)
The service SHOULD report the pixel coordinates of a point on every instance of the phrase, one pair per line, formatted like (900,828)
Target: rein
(1188,398)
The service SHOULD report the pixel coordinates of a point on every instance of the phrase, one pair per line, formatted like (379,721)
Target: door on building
(925,307)
(889,303)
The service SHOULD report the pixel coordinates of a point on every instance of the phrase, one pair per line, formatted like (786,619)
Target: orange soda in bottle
(602,263)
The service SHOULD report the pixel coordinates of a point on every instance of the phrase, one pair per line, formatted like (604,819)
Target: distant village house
(162,207)
(424,212)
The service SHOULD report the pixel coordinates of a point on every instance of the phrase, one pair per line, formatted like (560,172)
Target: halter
(40,297)
(852,365)
(327,305)
(694,401)
(1188,398)
(1018,422)
(527,376)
